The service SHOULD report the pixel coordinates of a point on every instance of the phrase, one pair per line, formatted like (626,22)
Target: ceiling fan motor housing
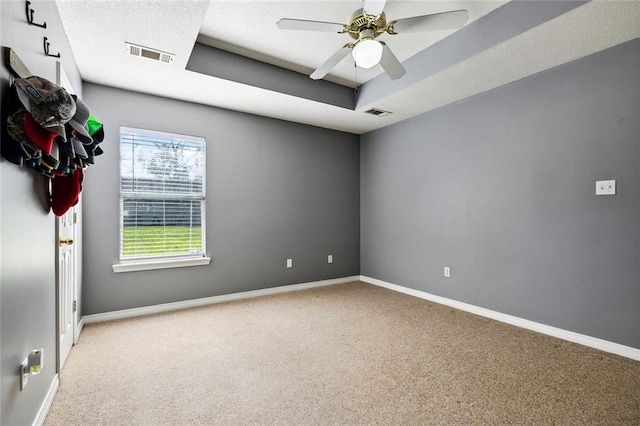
(362,21)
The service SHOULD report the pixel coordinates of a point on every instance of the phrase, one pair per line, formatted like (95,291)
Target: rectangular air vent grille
(146,52)
(377,112)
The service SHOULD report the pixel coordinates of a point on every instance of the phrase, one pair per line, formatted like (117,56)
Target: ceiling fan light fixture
(368,23)
(367,53)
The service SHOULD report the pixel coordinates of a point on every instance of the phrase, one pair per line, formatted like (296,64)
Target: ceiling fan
(365,26)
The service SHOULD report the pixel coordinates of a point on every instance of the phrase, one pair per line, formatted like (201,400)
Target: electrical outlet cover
(606,187)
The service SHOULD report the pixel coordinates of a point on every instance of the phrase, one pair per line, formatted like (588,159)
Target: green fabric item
(93,124)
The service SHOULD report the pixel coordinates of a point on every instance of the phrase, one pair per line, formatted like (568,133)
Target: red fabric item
(65,191)
(39,136)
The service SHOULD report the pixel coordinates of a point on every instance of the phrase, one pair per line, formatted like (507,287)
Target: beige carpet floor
(346,354)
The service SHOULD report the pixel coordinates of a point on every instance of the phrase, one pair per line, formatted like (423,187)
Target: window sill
(160,264)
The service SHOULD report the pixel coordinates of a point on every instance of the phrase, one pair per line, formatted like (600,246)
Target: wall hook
(46,49)
(30,16)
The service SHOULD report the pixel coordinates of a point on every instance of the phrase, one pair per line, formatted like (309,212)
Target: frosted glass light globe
(367,53)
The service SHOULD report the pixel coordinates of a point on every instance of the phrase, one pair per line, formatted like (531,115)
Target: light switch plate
(606,187)
(24,374)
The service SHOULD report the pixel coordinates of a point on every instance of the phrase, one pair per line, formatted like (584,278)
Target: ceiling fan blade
(331,62)
(434,22)
(373,7)
(302,25)
(390,64)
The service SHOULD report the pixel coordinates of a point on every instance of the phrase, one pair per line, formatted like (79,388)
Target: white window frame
(168,261)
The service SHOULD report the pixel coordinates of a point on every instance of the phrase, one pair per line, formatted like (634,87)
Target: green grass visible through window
(146,241)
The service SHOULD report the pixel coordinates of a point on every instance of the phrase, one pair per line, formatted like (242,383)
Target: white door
(66,284)
(65,230)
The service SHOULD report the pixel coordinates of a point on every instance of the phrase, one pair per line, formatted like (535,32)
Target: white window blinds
(162,192)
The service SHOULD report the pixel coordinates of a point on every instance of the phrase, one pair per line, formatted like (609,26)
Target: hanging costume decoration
(53,133)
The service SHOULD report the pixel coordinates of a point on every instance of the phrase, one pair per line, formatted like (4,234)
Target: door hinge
(75,305)
(75,217)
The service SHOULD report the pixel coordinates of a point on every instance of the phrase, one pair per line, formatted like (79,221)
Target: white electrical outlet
(606,187)
(330,258)
(289,263)
(447,272)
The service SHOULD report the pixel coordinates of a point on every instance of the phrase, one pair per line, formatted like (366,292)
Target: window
(162,196)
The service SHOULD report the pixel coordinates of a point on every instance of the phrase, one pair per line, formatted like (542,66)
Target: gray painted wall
(27,261)
(501,188)
(275,190)
(229,66)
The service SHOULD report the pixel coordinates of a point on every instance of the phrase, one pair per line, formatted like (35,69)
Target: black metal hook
(46,49)
(29,11)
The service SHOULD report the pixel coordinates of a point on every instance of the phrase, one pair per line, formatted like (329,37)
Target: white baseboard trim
(46,404)
(79,328)
(166,307)
(593,342)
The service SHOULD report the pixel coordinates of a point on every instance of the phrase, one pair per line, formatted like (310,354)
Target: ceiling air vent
(145,52)
(377,112)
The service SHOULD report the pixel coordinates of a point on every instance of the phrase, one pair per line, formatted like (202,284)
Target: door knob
(67,241)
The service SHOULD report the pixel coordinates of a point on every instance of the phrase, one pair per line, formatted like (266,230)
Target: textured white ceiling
(98,30)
